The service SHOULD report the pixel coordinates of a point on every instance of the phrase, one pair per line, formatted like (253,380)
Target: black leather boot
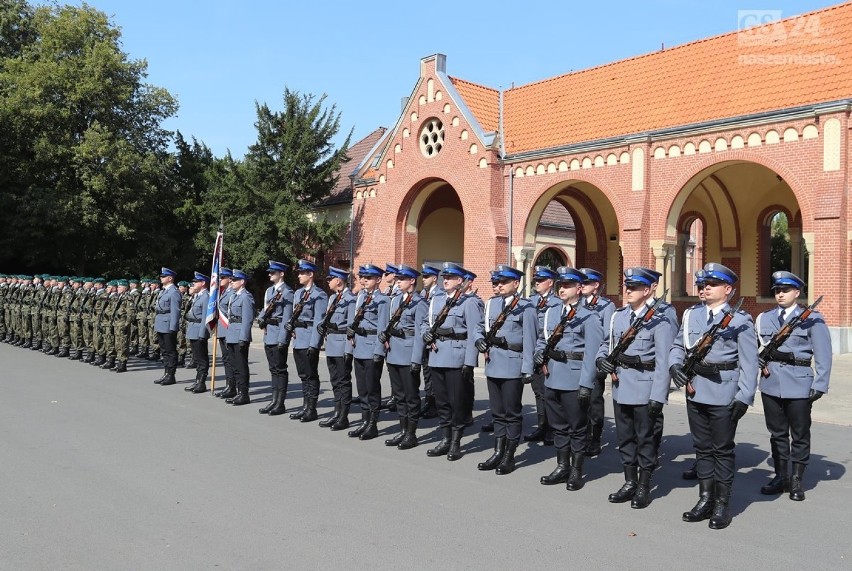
(721,517)
(162,378)
(191,387)
(397,438)
(780,483)
(410,439)
(430,409)
(342,422)
(121,367)
(301,412)
(170,377)
(201,386)
(99,360)
(797,494)
(593,447)
(563,468)
(575,476)
(311,411)
(280,407)
(455,453)
(537,435)
(230,390)
(108,363)
(690,473)
(371,431)
(154,355)
(642,499)
(389,403)
(365,416)
(507,463)
(333,418)
(628,490)
(90,357)
(242,397)
(75,355)
(706,500)
(494,460)
(272,403)
(63,352)
(443,446)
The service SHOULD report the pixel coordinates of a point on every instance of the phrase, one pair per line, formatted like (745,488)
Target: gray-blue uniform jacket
(305,333)
(224,299)
(512,354)
(375,320)
(738,343)
(240,316)
(406,341)
(582,336)
(462,321)
(651,346)
(604,308)
(810,340)
(195,326)
(275,334)
(343,311)
(541,307)
(167,309)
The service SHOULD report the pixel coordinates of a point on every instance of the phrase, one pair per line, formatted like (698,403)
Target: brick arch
(764,234)
(413,207)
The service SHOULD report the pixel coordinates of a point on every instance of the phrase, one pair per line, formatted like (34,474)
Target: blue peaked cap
(277,266)
(391,268)
(544,273)
(592,275)
(225,273)
(167,272)
(641,276)
(199,277)
(452,269)
(306,266)
(787,279)
(428,270)
(507,272)
(370,271)
(240,275)
(406,272)
(337,273)
(714,271)
(569,274)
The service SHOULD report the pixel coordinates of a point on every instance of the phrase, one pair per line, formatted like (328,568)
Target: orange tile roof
(692,83)
(342,191)
(482,101)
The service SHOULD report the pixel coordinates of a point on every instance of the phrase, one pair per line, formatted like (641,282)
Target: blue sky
(218,57)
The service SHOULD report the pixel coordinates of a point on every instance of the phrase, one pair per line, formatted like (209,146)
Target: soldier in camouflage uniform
(121,318)
(107,325)
(27,302)
(185,306)
(4,292)
(142,341)
(75,319)
(48,314)
(153,340)
(59,327)
(88,309)
(35,305)
(98,309)
(133,330)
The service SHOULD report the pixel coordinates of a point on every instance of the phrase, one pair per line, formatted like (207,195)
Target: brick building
(667,160)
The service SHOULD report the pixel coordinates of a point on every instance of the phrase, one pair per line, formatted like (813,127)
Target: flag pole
(213,362)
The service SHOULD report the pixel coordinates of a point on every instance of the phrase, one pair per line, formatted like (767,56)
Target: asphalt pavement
(110,471)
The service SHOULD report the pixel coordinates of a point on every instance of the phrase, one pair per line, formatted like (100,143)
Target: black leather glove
(350,333)
(416,368)
(605,366)
(679,378)
(738,409)
(526,379)
(312,352)
(814,395)
(383,337)
(761,364)
(538,358)
(481,345)
(322,330)
(282,347)
(262,323)
(467,373)
(655,408)
(378,359)
(347,360)
(244,344)
(584,397)
(428,337)
(289,327)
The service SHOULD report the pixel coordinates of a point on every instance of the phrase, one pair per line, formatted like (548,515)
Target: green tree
(779,244)
(85,160)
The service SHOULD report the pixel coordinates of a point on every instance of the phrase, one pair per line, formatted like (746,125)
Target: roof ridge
(845,4)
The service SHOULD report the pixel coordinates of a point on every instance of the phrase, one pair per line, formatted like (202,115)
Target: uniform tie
(781,317)
(709,318)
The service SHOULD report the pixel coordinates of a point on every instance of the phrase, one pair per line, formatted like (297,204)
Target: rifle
(397,315)
(782,334)
(445,311)
(555,337)
(297,310)
(491,336)
(115,311)
(698,351)
(322,328)
(629,335)
(359,317)
(263,318)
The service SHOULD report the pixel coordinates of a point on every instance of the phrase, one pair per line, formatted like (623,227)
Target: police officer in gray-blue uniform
(197,333)
(791,386)
(309,302)
(166,324)
(240,318)
(276,312)
(723,389)
(569,376)
(594,300)
(227,292)
(543,299)
(338,350)
(429,275)
(467,374)
(642,384)
(390,288)
(453,357)
(690,473)
(508,363)
(371,314)
(404,346)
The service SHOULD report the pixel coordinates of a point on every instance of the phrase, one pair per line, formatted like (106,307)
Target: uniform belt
(501,343)
(300,324)
(273,321)
(189,320)
(335,328)
(447,333)
(704,368)
(161,312)
(564,356)
(402,333)
(235,319)
(364,332)
(782,357)
(634,362)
